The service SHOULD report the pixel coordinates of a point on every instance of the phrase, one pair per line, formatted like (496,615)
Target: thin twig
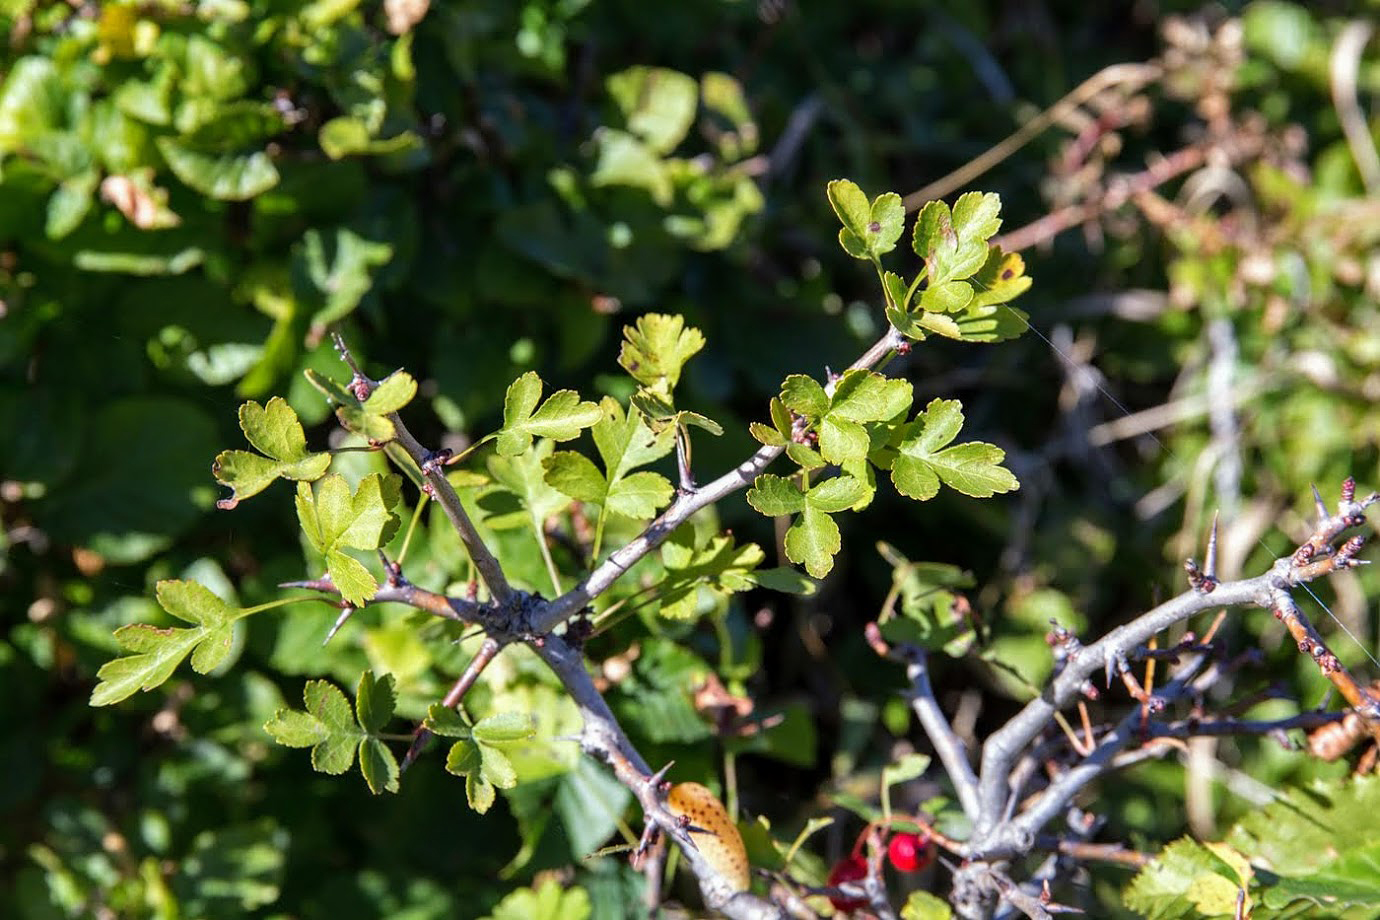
(550,615)
(488,650)
(1131,76)
(1343,69)
(484,561)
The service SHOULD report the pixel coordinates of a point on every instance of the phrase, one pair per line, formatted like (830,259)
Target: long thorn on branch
(459,609)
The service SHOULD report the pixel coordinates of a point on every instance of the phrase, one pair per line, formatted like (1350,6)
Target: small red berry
(849,869)
(910,852)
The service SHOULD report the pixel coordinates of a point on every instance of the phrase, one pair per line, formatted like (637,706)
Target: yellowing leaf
(277,433)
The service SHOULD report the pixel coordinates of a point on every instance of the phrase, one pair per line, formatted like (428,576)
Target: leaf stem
(411,527)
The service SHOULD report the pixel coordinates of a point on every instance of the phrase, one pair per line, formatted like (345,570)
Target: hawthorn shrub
(491,204)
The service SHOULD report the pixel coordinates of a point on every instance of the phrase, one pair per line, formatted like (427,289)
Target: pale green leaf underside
(158,651)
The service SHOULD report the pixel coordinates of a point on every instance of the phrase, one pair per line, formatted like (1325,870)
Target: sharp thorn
(339,622)
(655,779)
(1210,564)
(1319,504)
(414,751)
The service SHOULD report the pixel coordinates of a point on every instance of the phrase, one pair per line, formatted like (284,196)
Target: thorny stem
(434,473)
(441,605)
(680,510)
(603,738)
(987,796)
(484,561)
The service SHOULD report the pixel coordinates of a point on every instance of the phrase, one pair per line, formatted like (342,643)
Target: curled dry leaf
(140,201)
(715,833)
(404,14)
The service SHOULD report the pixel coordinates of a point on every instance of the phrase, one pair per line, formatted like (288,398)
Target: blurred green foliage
(191,194)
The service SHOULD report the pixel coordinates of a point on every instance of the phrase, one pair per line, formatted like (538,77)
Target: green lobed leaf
(1187,879)
(639,495)
(839,493)
(328,727)
(804,396)
(921,905)
(658,103)
(333,519)
(561,418)
(774,495)
(296,729)
(222,176)
(923,461)
(333,270)
(1353,880)
(374,701)
(496,768)
(504,726)
(1308,828)
(1001,279)
(865,396)
(954,243)
(715,564)
(656,348)
(159,651)
(479,792)
(807,458)
(70,203)
(625,159)
(549,901)
(870,230)
(276,432)
(812,541)
(625,441)
(31,101)
(369,418)
(378,765)
(447,722)
(524,476)
(575,475)
(767,435)
(949,297)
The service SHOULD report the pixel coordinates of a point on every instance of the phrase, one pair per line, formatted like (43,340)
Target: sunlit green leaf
(159,651)
(333,519)
(925,461)
(562,417)
(327,727)
(374,701)
(870,229)
(656,348)
(549,901)
(277,433)
(658,104)
(222,176)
